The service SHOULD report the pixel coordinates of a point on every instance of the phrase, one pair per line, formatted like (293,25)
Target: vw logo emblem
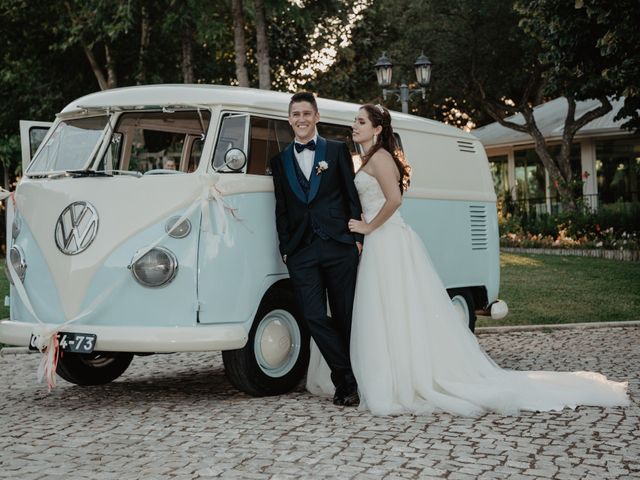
(76,228)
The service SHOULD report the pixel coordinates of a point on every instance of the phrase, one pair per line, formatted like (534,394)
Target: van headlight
(16,257)
(156,268)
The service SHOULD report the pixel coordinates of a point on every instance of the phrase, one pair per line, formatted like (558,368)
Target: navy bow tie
(311,145)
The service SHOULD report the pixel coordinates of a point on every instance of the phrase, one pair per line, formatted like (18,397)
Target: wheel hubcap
(277,343)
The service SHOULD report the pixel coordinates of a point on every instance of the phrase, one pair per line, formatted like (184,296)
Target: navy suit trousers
(320,270)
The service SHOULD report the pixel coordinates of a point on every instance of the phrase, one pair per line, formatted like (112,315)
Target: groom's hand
(359,245)
(284,259)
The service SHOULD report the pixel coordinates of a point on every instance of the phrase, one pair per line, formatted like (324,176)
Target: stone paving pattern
(177,417)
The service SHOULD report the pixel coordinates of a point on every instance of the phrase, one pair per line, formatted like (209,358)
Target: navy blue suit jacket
(331,201)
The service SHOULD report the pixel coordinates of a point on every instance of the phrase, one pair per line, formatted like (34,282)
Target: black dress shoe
(351,400)
(346,396)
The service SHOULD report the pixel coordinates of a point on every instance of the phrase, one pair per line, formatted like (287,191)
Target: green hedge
(612,226)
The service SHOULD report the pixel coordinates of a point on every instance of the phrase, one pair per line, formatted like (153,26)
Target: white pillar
(511,171)
(547,190)
(588,165)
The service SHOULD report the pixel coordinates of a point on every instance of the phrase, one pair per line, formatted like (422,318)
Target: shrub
(613,226)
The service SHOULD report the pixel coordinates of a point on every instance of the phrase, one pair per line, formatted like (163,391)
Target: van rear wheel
(276,356)
(462,300)
(95,368)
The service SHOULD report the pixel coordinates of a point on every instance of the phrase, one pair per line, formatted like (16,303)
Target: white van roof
(264,100)
(447,163)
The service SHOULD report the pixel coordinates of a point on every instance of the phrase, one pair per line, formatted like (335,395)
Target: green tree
(497,58)
(36,80)
(298,34)
(240,43)
(62,50)
(262,45)
(582,55)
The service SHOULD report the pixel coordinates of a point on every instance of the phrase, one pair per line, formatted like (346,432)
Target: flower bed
(612,227)
(606,239)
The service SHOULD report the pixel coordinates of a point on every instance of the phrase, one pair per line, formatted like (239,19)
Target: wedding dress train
(411,353)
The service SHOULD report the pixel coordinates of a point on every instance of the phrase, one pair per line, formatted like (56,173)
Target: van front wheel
(462,300)
(276,356)
(95,368)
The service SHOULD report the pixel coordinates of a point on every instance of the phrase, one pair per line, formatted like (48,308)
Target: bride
(409,353)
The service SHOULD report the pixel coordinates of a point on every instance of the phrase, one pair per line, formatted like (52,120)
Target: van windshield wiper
(88,173)
(102,173)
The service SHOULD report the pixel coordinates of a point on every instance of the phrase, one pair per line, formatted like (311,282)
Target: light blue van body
(228,265)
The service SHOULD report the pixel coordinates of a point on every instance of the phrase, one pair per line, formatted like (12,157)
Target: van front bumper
(200,338)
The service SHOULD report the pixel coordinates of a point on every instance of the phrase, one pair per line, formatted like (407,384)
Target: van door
(226,274)
(31,136)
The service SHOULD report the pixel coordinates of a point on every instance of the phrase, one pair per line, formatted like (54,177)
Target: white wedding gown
(411,353)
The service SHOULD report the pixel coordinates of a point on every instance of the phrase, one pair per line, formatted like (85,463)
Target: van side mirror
(235,159)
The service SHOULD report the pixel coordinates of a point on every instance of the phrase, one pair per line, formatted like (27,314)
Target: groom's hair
(304,97)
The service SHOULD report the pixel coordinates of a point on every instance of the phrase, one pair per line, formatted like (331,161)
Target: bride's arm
(386,173)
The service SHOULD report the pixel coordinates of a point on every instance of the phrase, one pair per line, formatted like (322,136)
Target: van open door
(31,136)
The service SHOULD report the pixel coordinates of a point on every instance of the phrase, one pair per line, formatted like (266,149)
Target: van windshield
(69,145)
(157,142)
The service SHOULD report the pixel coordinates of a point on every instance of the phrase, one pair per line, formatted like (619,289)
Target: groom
(315,198)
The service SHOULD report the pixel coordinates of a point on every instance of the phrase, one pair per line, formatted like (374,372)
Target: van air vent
(466,146)
(478,223)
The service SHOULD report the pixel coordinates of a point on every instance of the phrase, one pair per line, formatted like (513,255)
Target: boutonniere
(322,166)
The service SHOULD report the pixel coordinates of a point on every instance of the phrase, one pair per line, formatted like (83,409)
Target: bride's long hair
(380,116)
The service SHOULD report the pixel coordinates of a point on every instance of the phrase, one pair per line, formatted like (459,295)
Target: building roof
(550,118)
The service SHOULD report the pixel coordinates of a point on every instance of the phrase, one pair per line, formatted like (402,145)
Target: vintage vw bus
(145,224)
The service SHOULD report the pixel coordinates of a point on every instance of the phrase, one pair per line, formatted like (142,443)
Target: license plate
(71,342)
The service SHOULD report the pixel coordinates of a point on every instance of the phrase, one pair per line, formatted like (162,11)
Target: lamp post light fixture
(384,72)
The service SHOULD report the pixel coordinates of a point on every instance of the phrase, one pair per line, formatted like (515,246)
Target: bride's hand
(359,226)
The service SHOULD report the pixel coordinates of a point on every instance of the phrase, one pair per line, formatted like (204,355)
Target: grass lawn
(545,289)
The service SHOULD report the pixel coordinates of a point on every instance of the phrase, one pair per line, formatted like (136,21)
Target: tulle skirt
(411,352)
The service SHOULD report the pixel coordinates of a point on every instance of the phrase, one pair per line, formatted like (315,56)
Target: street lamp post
(384,72)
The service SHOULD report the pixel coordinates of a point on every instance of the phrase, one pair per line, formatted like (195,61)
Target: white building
(606,157)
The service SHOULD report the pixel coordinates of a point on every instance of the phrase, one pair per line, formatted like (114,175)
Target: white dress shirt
(305,158)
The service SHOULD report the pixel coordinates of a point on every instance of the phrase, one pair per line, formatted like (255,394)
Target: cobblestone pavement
(176,416)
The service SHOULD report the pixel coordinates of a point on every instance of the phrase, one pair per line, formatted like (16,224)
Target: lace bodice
(371,196)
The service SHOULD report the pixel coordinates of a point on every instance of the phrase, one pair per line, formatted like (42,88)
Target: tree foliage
(496,58)
(587,50)
(491,58)
(57,51)
(612,60)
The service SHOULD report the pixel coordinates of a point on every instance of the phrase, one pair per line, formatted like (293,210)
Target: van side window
(270,136)
(194,154)
(342,134)
(36,136)
(233,134)
(338,132)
